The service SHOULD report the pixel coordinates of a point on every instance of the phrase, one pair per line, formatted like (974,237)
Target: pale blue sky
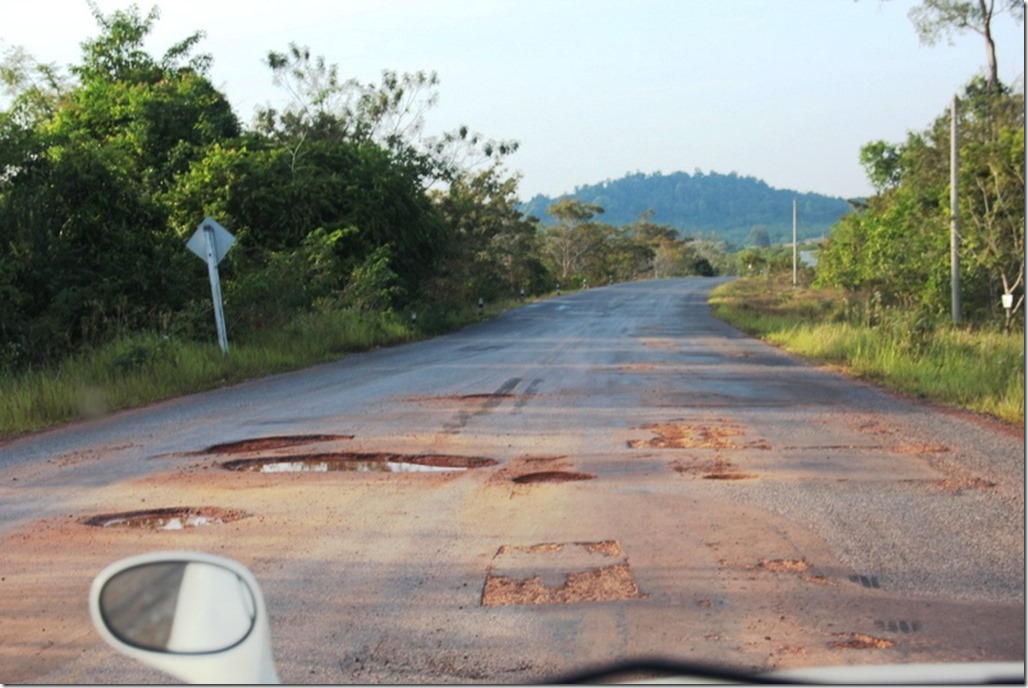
(784,90)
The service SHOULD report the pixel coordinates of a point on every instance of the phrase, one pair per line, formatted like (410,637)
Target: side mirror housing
(196,616)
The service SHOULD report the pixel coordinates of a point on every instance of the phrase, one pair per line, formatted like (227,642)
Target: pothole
(170,518)
(716,469)
(678,435)
(559,573)
(356,462)
(259,444)
(551,477)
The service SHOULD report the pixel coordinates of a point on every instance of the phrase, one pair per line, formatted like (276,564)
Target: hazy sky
(784,90)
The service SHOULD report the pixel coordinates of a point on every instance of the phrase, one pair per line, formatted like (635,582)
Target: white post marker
(211,242)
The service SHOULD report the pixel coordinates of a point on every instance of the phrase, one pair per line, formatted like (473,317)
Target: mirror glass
(178,607)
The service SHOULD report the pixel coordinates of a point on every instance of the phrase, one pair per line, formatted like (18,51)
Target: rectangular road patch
(555,573)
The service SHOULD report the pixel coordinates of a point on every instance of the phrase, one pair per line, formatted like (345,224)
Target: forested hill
(725,206)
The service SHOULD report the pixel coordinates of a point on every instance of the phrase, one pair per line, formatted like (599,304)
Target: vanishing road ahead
(628,477)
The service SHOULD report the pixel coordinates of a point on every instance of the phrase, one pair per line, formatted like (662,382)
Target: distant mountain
(722,206)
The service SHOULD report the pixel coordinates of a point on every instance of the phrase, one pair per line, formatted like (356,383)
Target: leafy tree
(83,228)
(575,240)
(992,183)
(881,163)
(895,251)
(324,106)
(493,248)
(934,19)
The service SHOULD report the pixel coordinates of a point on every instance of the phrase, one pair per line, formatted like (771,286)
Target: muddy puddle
(355,462)
(171,518)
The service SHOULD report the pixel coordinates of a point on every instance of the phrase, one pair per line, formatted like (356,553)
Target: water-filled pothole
(257,444)
(170,518)
(359,463)
(552,477)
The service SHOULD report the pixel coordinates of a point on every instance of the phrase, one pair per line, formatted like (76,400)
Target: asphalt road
(637,479)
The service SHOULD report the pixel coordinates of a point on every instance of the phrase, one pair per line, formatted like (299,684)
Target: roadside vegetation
(138,369)
(878,303)
(980,370)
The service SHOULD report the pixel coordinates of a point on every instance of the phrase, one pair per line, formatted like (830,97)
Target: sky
(783,90)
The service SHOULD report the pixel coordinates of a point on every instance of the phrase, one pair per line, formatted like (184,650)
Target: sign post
(211,242)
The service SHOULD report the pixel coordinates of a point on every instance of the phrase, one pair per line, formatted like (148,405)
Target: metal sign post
(211,242)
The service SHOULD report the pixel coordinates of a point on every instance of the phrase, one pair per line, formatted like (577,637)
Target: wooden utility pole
(954,212)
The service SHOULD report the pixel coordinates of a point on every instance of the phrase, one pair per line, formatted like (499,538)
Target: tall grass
(143,368)
(980,371)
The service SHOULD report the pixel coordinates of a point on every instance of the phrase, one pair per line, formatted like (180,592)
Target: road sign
(223,240)
(211,242)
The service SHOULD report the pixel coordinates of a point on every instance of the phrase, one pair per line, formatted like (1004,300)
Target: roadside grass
(144,368)
(982,371)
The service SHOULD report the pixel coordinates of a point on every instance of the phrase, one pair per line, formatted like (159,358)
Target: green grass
(144,368)
(981,371)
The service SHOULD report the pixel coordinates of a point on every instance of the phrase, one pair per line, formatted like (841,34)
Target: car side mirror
(199,617)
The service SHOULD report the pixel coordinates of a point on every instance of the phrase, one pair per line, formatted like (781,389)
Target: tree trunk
(990,45)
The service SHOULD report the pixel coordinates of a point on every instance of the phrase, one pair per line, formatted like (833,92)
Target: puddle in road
(257,444)
(551,477)
(355,462)
(171,518)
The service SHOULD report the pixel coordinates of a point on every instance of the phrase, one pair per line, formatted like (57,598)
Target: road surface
(628,477)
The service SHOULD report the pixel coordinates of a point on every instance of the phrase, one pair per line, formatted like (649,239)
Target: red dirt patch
(681,436)
(518,575)
(784,565)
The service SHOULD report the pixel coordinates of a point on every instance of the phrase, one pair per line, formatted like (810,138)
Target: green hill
(722,206)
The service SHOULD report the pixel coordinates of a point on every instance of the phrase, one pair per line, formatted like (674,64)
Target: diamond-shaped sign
(223,240)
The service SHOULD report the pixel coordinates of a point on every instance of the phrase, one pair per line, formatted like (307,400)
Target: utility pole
(954,212)
(794,246)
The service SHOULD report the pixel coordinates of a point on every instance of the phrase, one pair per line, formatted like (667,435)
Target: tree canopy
(897,248)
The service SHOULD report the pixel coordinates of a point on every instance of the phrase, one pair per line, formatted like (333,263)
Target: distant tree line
(726,207)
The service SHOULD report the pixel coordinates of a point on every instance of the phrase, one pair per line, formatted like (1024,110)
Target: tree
(881,163)
(574,239)
(895,250)
(83,225)
(936,18)
(759,237)
(493,249)
(992,183)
